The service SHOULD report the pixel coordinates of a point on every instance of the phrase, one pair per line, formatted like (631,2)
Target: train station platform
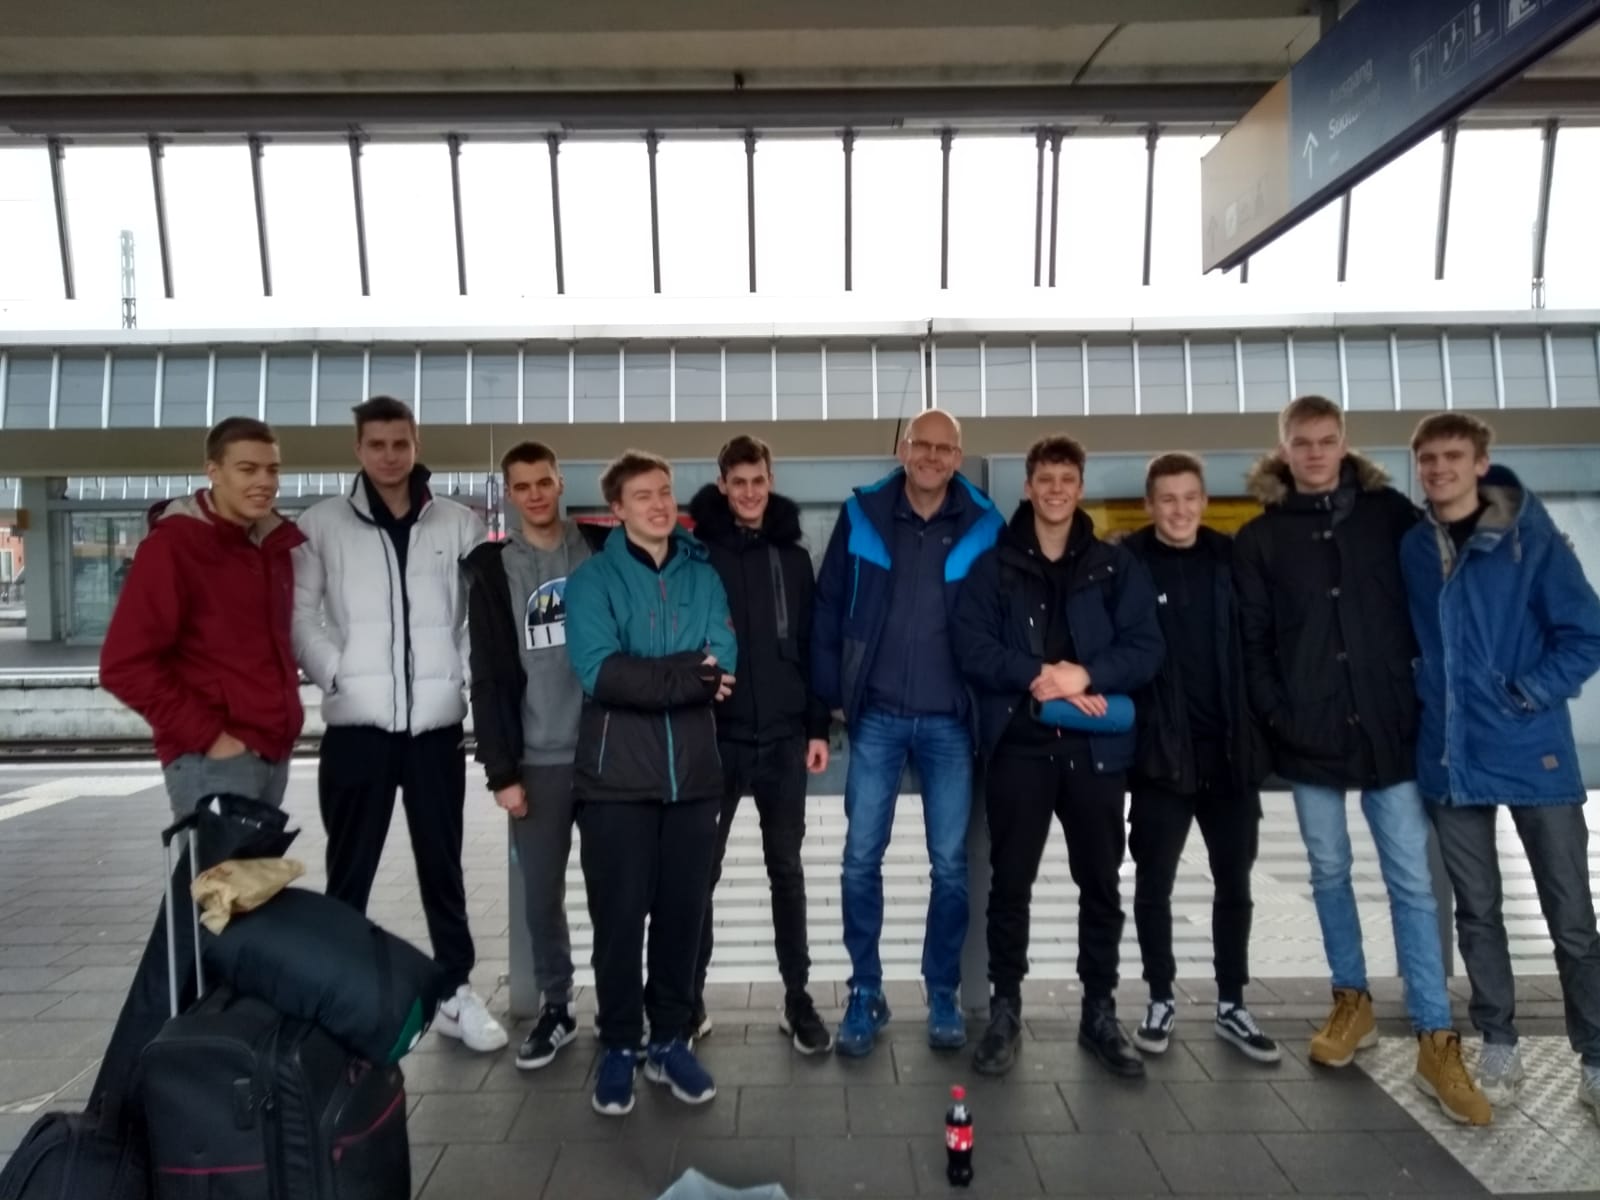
(80,874)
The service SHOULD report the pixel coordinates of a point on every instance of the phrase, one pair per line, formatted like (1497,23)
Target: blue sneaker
(613,1090)
(864,1016)
(675,1065)
(947,1028)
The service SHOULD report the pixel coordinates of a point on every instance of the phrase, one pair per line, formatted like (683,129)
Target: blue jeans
(942,749)
(1399,827)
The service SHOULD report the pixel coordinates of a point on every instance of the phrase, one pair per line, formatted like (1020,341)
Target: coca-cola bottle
(958,1139)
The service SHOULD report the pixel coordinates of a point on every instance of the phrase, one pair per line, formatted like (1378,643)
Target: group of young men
(636,682)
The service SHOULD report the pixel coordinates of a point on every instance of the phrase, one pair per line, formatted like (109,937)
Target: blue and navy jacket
(1509,631)
(1000,624)
(853,587)
(637,638)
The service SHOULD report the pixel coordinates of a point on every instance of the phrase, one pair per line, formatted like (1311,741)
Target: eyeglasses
(936,449)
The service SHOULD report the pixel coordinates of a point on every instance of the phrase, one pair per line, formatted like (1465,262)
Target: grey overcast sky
(799,185)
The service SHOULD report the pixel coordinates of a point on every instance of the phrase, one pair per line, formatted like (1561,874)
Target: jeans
(1023,793)
(1230,823)
(775,773)
(1556,840)
(543,841)
(941,746)
(193,777)
(1399,827)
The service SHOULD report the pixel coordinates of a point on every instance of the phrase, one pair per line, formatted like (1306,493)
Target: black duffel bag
(316,958)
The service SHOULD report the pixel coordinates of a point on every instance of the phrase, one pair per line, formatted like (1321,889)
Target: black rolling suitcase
(242,1103)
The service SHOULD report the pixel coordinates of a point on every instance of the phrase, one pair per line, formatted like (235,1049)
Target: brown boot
(1349,1027)
(1442,1075)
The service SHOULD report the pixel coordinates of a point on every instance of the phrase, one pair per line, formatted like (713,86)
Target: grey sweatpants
(1556,841)
(193,777)
(543,842)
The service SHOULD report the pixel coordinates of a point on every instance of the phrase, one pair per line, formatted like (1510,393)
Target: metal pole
(361,212)
(945,138)
(1038,209)
(1447,172)
(1244,271)
(158,185)
(1344,235)
(454,142)
(1055,196)
(849,215)
(1151,136)
(750,199)
(652,141)
(554,141)
(1541,228)
(58,185)
(256,152)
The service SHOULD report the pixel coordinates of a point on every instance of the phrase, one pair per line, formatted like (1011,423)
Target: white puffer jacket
(350,608)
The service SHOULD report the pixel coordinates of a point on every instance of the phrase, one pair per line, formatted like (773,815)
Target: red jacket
(199,643)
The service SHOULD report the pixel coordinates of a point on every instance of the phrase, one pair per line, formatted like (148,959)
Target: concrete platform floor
(80,872)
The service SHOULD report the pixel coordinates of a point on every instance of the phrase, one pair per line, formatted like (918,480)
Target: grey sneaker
(1499,1072)
(1589,1089)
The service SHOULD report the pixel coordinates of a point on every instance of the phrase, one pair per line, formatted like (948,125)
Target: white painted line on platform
(58,791)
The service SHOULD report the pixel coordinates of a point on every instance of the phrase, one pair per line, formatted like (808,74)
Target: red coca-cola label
(958,1137)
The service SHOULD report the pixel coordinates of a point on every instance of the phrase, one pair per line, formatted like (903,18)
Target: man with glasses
(881,657)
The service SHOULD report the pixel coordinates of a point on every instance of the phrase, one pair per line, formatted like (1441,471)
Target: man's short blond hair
(1308,408)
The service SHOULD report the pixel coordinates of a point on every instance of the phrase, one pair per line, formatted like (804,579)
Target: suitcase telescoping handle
(189,824)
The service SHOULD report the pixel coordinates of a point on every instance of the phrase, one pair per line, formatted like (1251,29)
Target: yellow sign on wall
(1225,514)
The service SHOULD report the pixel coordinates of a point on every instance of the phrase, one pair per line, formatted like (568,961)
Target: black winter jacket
(495,659)
(770,583)
(998,630)
(1166,746)
(1326,631)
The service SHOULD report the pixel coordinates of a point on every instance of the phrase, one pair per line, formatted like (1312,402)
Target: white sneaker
(1499,1072)
(466,1016)
(1589,1088)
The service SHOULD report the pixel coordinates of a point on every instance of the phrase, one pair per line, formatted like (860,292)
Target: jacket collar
(877,501)
(683,545)
(714,523)
(360,495)
(1269,480)
(1143,542)
(1019,540)
(199,508)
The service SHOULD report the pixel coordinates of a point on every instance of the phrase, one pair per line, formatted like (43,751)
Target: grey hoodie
(553,697)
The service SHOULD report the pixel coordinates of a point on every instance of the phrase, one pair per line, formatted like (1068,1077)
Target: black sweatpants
(361,767)
(1023,794)
(1230,823)
(646,861)
(775,773)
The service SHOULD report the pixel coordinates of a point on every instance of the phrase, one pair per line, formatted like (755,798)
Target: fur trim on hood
(1269,480)
(713,517)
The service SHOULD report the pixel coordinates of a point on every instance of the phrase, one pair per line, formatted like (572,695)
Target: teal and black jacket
(637,637)
(851,613)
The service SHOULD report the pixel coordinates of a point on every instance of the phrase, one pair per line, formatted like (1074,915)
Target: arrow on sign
(1310,155)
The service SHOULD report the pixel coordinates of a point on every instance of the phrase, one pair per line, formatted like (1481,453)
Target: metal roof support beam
(1039,140)
(58,186)
(849,141)
(750,199)
(1541,228)
(361,212)
(1055,196)
(554,142)
(256,152)
(652,142)
(1447,176)
(1151,136)
(1344,236)
(945,139)
(158,185)
(454,142)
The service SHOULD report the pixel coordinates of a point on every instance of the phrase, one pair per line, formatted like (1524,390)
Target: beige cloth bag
(241,885)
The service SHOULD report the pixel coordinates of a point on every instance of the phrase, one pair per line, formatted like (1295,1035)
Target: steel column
(1344,235)
(849,141)
(652,142)
(750,199)
(256,152)
(945,138)
(1447,173)
(454,142)
(361,212)
(1038,209)
(1151,136)
(1541,228)
(58,186)
(1055,196)
(158,186)
(554,142)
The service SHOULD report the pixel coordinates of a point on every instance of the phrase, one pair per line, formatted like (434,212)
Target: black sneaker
(801,1023)
(1100,1034)
(554,1029)
(1237,1026)
(997,1050)
(1154,1034)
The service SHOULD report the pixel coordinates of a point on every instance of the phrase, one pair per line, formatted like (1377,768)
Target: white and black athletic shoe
(554,1029)
(1237,1026)
(1154,1034)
